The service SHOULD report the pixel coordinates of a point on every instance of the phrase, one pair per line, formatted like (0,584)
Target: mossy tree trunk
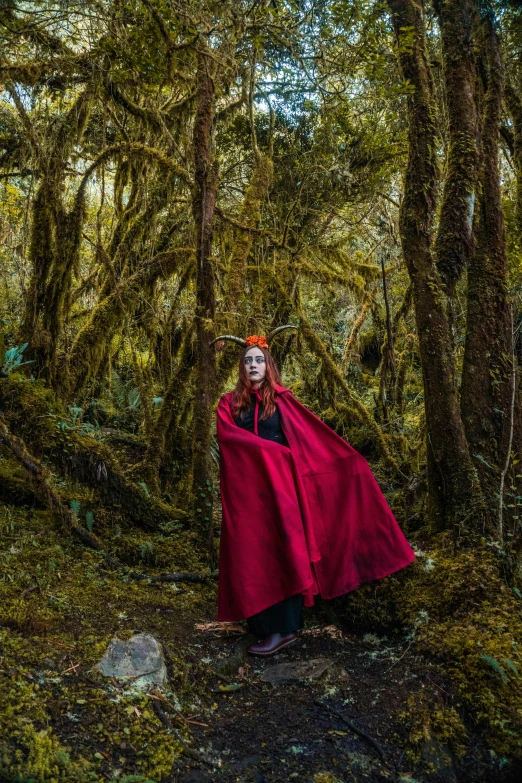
(454,243)
(454,490)
(203,208)
(250,215)
(487,400)
(388,368)
(55,235)
(164,427)
(514,105)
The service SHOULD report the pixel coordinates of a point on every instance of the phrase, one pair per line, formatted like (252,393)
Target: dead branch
(174,577)
(373,742)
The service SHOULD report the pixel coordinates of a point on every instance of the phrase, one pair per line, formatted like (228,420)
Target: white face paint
(255,365)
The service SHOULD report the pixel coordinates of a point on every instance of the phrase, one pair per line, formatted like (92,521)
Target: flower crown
(255,339)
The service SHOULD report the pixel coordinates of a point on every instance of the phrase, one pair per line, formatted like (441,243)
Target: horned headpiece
(254,339)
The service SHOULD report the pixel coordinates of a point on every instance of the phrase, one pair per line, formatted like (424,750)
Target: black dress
(285,616)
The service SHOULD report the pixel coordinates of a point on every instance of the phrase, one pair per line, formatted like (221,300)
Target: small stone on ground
(138,660)
(283,673)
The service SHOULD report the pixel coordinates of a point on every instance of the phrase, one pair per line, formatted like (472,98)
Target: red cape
(309,518)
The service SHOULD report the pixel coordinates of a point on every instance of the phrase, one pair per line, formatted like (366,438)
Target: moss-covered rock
(34,414)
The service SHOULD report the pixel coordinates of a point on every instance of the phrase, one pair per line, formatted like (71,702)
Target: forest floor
(62,721)
(281,732)
(416,677)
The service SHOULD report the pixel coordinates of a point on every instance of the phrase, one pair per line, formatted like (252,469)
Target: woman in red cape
(302,512)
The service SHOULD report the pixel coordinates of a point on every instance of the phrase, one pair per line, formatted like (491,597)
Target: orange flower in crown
(255,339)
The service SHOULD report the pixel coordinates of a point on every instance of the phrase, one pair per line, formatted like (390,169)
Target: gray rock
(139,660)
(283,673)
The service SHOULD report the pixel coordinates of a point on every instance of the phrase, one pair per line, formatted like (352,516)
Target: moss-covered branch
(134,149)
(359,321)
(170,408)
(317,346)
(40,483)
(87,350)
(38,418)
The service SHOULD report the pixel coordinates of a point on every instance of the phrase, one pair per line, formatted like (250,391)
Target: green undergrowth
(60,720)
(459,613)
(59,439)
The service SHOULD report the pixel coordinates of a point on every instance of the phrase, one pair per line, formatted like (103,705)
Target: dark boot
(272,643)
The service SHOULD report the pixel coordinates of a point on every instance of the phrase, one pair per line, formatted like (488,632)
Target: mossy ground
(466,619)
(432,679)
(432,654)
(59,607)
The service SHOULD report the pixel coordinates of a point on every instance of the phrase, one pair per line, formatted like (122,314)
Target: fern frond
(495,665)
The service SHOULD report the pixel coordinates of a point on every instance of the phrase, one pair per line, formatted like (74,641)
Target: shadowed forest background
(174,171)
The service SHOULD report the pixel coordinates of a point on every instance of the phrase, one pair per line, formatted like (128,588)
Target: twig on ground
(72,668)
(196,755)
(373,742)
(400,657)
(221,627)
(174,577)
(61,644)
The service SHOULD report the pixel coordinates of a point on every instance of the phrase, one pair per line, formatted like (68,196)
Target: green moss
(38,417)
(425,721)
(336,379)
(168,553)
(461,615)
(30,749)
(33,749)
(13,482)
(59,610)
(325,777)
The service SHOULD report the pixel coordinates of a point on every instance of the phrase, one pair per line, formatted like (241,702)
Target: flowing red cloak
(309,518)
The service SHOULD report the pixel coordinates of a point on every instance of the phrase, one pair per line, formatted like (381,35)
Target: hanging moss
(250,215)
(88,348)
(350,343)
(55,239)
(402,367)
(332,371)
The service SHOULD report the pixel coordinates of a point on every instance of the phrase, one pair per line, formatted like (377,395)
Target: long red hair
(244,388)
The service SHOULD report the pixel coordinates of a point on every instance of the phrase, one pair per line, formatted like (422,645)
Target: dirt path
(265,733)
